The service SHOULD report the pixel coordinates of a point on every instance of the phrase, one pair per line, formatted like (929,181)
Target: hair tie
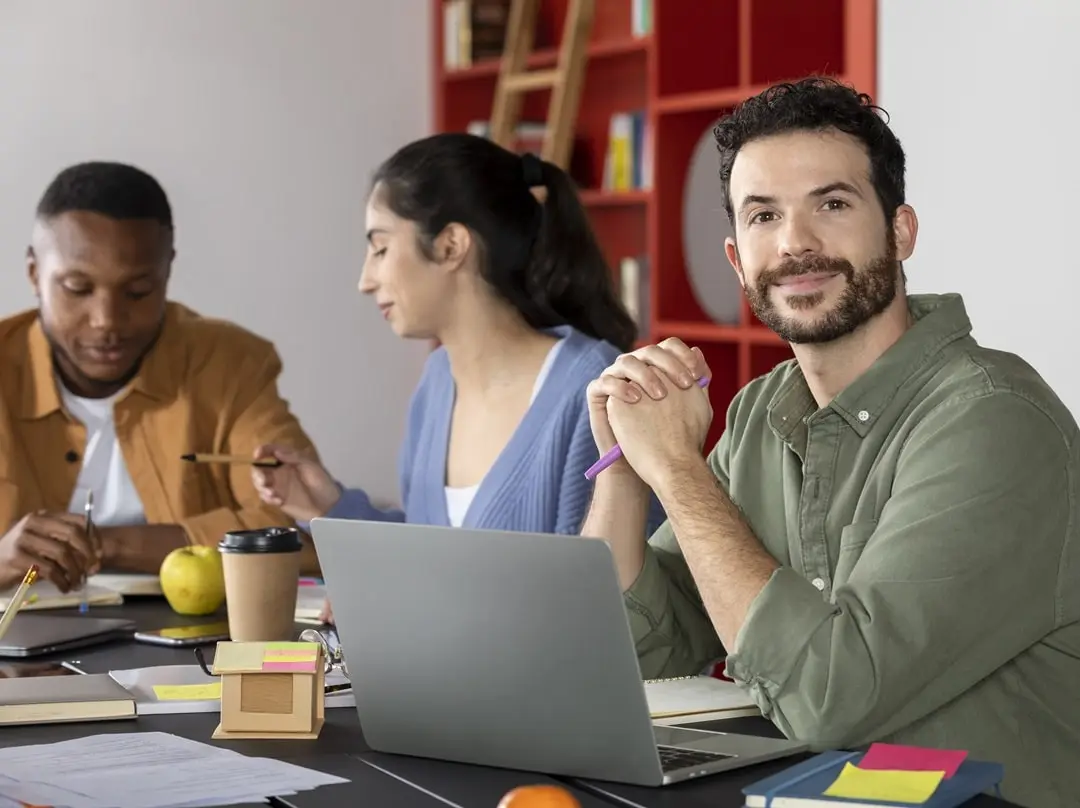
(532,169)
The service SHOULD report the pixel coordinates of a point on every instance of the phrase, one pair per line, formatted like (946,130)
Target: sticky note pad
(295,657)
(287,666)
(289,646)
(895,757)
(884,786)
(207,692)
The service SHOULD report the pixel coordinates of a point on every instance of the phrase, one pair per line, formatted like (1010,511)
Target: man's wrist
(674,477)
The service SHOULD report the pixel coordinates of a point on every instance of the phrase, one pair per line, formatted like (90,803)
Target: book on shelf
(528,135)
(634,288)
(473,30)
(641,17)
(628,164)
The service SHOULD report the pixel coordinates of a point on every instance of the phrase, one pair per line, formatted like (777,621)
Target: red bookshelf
(698,61)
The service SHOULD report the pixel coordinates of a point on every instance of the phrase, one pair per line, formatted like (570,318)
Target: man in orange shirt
(108,384)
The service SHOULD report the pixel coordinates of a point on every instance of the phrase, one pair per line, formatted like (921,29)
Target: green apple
(192,580)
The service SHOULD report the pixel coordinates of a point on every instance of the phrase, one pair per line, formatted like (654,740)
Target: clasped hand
(650,402)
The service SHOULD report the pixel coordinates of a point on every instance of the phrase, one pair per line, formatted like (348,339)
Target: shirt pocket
(853,539)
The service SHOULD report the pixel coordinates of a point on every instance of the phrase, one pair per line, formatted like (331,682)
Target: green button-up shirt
(926,526)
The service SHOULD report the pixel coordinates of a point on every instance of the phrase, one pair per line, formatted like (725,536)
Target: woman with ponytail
(521,301)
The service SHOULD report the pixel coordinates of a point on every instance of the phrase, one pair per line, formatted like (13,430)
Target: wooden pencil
(268,462)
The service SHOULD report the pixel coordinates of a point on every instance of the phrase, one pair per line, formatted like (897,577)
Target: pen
(84,605)
(268,462)
(16,601)
(615,452)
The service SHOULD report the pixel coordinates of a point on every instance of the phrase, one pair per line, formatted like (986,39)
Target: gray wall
(983,95)
(263,119)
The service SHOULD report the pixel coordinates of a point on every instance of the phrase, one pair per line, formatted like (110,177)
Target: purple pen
(615,452)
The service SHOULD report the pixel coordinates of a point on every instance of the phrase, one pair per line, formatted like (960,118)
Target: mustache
(809,265)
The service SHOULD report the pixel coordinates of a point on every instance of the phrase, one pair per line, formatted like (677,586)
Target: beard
(867,293)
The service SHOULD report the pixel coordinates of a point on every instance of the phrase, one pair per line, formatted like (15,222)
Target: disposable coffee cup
(262,571)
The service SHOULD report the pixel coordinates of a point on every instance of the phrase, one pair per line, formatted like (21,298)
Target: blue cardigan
(537,484)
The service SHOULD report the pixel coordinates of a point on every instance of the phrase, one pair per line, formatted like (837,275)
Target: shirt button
(863,415)
(820,584)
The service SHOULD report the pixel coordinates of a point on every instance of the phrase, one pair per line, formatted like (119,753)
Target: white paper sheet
(140,683)
(145,770)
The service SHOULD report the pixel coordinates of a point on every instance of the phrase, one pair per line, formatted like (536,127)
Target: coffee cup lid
(262,540)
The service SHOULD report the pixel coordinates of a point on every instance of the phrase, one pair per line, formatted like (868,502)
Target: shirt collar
(938,321)
(41,397)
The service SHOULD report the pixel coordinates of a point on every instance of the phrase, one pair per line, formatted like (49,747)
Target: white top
(116,502)
(458,500)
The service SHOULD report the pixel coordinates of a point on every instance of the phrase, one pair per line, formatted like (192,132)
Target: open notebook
(45,595)
(692,695)
(134,584)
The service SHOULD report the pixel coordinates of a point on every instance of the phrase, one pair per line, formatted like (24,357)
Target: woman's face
(410,290)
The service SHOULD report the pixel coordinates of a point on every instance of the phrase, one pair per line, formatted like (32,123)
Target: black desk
(378,779)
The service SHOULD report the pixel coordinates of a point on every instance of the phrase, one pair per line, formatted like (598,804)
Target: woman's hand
(327,614)
(300,486)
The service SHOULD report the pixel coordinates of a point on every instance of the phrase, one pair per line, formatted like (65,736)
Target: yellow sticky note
(188,692)
(884,785)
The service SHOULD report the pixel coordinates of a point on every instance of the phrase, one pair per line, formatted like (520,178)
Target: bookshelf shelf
(713,332)
(704,100)
(674,78)
(599,197)
(627,46)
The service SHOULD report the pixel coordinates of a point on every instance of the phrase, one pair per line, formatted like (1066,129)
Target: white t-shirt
(116,502)
(458,500)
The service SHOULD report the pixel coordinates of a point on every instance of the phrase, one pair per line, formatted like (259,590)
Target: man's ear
(731,249)
(452,246)
(32,270)
(905,225)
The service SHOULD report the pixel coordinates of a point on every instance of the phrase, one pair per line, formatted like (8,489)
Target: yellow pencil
(17,599)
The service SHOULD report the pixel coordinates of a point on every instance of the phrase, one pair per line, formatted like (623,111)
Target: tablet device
(32,635)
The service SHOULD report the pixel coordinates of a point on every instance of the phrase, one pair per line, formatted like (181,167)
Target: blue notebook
(804,785)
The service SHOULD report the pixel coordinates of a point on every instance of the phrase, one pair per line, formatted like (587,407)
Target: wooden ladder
(565,79)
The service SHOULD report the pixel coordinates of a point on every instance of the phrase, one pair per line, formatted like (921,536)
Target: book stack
(886,774)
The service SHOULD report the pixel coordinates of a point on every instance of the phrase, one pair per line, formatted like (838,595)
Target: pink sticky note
(293,667)
(893,757)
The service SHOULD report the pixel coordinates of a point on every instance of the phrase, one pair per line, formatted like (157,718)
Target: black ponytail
(542,258)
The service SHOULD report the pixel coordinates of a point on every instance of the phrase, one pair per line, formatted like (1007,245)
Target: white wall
(263,119)
(983,95)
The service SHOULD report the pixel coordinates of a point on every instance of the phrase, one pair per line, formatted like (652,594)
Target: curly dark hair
(813,104)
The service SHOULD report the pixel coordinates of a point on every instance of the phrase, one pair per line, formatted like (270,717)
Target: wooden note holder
(270,689)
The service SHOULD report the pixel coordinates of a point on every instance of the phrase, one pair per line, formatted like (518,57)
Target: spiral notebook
(694,695)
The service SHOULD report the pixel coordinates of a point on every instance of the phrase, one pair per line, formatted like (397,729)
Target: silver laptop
(31,635)
(504,649)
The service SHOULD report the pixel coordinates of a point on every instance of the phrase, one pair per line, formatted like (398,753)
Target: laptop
(505,649)
(31,635)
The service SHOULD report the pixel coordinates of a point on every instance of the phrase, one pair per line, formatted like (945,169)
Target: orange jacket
(206,386)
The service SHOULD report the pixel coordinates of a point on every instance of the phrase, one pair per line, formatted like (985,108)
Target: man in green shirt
(884,540)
